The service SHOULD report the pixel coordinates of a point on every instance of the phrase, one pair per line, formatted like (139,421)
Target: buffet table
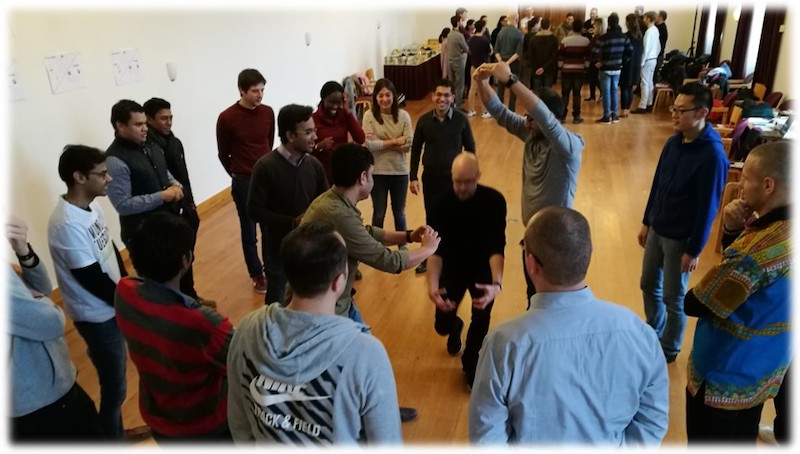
(415,81)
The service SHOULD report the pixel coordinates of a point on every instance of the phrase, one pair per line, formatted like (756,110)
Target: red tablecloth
(415,81)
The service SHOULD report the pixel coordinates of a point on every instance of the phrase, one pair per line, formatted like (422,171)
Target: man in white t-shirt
(88,266)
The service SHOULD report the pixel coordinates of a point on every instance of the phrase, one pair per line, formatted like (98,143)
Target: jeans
(571,83)
(608,84)
(455,72)
(663,289)
(240,189)
(540,81)
(706,424)
(445,322)
(395,186)
(501,89)
(276,278)
(106,349)
(648,68)
(354,314)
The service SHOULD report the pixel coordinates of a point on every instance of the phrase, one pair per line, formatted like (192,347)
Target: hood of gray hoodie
(296,347)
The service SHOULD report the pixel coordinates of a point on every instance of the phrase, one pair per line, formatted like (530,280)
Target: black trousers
(530,288)
(706,424)
(73,417)
(571,83)
(187,281)
(445,322)
(783,413)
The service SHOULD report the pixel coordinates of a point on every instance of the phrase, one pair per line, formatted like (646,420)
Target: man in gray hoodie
(292,376)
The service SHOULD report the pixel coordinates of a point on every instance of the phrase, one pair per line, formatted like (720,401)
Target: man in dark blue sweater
(683,203)
(461,264)
(282,186)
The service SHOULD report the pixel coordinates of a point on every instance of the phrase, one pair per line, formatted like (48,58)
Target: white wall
(209,49)
(787,57)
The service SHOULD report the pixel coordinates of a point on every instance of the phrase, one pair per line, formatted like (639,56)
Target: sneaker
(766,434)
(590,98)
(639,111)
(578,120)
(486,115)
(471,113)
(408,414)
(421,268)
(454,339)
(260,284)
(604,120)
(614,119)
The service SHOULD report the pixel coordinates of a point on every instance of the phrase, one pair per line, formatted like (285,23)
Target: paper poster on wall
(65,72)
(127,66)
(15,91)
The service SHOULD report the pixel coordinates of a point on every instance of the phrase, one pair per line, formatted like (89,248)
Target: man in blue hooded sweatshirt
(292,374)
(683,203)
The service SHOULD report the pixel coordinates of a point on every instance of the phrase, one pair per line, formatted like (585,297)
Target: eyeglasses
(675,109)
(102,174)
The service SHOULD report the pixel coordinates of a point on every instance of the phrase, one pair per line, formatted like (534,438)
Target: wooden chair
(729,194)
(664,91)
(774,98)
(759,90)
(364,96)
(725,110)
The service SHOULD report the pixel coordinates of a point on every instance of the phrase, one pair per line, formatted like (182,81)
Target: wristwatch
(512,79)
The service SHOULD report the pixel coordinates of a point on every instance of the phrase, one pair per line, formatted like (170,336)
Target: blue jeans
(663,289)
(354,314)
(240,189)
(395,186)
(608,86)
(106,349)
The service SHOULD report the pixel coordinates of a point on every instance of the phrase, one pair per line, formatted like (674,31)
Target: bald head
(766,176)
(560,242)
(465,173)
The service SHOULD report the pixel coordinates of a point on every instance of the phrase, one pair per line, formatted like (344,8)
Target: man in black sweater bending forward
(461,263)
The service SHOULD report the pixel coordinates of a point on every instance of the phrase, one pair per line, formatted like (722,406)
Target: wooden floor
(618,165)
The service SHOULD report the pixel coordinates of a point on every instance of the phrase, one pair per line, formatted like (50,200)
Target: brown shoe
(260,284)
(137,434)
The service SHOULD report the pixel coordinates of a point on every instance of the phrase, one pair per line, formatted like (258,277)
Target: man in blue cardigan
(683,203)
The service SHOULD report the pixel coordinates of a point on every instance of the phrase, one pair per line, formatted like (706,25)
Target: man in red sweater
(245,133)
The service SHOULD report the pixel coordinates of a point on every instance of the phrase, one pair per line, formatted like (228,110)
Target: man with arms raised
(552,153)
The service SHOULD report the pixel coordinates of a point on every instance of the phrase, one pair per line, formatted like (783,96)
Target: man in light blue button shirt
(573,369)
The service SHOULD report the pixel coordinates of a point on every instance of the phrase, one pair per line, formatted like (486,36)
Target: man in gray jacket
(457,51)
(292,374)
(552,155)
